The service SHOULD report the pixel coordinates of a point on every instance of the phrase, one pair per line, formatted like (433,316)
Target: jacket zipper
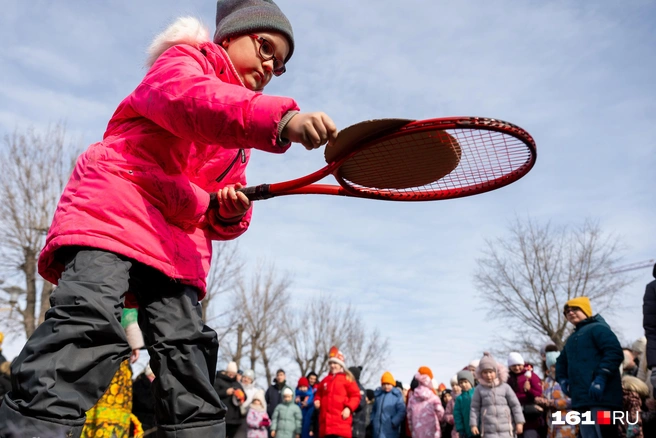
(241,154)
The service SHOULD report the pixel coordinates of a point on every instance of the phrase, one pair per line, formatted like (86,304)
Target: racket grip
(257,193)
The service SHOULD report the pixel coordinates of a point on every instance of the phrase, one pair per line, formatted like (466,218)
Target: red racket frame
(305,186)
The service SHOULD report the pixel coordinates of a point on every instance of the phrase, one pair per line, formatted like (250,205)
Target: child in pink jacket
(257,418)
(136,222)
(424,411)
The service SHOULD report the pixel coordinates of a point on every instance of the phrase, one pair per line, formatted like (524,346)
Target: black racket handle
(257,193)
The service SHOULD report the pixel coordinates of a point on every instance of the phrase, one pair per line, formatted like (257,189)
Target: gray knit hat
(239,17)
(487,362)
(466,375)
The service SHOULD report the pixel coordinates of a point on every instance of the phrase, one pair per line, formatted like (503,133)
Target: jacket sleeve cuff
(281,126)
(263,132)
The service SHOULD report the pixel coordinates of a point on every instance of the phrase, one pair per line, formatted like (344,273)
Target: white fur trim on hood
(184,30)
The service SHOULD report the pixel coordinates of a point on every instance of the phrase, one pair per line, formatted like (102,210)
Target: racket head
(432,159)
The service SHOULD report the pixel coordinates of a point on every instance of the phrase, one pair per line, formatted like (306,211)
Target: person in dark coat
(273,395)
(588,368)
(232,395)
(649,324)
(143,402)
(359,428)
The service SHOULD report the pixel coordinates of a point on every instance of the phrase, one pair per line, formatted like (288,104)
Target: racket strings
(431,162)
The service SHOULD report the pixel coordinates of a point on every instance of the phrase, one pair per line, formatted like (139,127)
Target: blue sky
(579,76)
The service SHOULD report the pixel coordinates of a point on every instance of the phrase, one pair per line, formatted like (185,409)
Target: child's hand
(474,430)
(310,129)
(527,386)
(519,429)
(232,204)
(346,413)
(273,434)
(317,404)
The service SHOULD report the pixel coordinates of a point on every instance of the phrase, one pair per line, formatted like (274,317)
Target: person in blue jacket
(388,412)
(305,401)
(588,368)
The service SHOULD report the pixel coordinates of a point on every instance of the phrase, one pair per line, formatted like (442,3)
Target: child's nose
(268,65)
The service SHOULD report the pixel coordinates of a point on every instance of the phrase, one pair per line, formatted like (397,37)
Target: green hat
(239,17)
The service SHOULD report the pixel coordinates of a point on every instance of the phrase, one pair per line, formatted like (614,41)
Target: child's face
(465,385)
(256,402)
(517,369)
(387,387)
(246,52)
(312,379)
(287,398)
(489,375)
(335,368)
(303,388)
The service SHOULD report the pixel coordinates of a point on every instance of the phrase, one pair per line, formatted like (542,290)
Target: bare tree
(259,308)
(34,168)
(527,277)
(310,332)
(221,281)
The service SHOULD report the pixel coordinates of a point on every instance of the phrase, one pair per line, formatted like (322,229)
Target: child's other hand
(312,130)
(474,430)
(519,429)
(273,434)
(232,204)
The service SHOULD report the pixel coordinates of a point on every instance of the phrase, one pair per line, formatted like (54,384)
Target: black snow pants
(69,361)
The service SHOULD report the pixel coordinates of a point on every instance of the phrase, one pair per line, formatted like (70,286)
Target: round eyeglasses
(267,53)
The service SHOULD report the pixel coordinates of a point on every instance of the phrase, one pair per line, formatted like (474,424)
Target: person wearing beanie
(527,386)
(515,358)
(287,419)
(588,368)
(425,410)
(554,400)
(257,418)
(250,388)
(232,395)
(359,428)
(649,326)
(305,400)
(462,404)
(426,371)
(495,411)
(337,398)
(388,412)
(139,214)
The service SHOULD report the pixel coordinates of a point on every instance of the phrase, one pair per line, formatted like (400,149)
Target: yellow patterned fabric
(112,415)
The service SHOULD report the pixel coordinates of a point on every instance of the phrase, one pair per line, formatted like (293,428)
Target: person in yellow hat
(388,411)
(588,368)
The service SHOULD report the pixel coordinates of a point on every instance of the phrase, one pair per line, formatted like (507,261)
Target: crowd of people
(486,398)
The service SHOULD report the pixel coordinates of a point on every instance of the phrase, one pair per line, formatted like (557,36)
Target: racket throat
(257,193)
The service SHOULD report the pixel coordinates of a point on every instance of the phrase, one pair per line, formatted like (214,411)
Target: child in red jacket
(139,215)
(337,398)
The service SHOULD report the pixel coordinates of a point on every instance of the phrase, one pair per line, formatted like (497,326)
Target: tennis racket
(422,160)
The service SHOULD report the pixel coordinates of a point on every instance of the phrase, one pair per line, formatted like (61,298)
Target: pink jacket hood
(425,389)
(184,132)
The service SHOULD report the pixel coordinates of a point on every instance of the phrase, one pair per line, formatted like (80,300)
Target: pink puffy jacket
(143,190)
